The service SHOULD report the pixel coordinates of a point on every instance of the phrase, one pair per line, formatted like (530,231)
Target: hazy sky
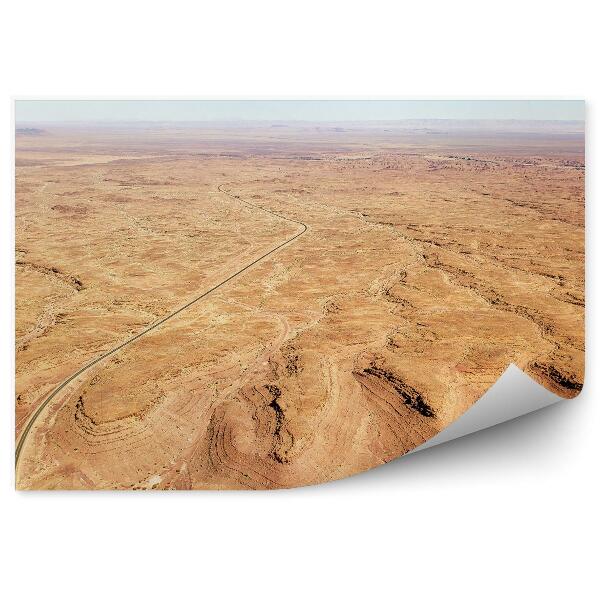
(306,110)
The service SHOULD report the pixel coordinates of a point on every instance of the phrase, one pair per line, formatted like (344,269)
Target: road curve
(42,406)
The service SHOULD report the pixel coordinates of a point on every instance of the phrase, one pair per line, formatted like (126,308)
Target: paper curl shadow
(508,401)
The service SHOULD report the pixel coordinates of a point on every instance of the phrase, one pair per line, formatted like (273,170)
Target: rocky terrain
(369,283)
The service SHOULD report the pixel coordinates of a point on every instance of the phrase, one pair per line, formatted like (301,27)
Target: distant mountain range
(29,131)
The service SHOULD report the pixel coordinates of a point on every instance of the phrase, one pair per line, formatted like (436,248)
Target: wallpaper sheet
(271,294)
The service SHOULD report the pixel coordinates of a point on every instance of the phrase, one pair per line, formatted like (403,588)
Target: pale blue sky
(289,110)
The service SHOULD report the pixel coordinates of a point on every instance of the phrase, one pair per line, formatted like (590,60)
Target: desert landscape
(261,305)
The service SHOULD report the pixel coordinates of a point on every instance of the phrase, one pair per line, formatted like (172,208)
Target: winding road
(57,390)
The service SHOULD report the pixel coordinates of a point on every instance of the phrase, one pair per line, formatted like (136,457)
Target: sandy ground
(433,257)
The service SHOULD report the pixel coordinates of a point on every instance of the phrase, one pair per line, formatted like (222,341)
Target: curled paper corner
(514,394)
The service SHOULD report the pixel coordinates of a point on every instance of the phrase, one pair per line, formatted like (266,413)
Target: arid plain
(348,290)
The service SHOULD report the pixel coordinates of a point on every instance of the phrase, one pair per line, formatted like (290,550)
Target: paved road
(158,323)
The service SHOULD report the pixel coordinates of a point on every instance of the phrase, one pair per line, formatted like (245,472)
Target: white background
(508,513)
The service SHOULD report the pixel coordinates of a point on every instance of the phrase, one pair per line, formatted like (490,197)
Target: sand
(414,263)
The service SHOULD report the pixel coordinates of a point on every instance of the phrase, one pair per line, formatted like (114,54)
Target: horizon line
(244,120)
